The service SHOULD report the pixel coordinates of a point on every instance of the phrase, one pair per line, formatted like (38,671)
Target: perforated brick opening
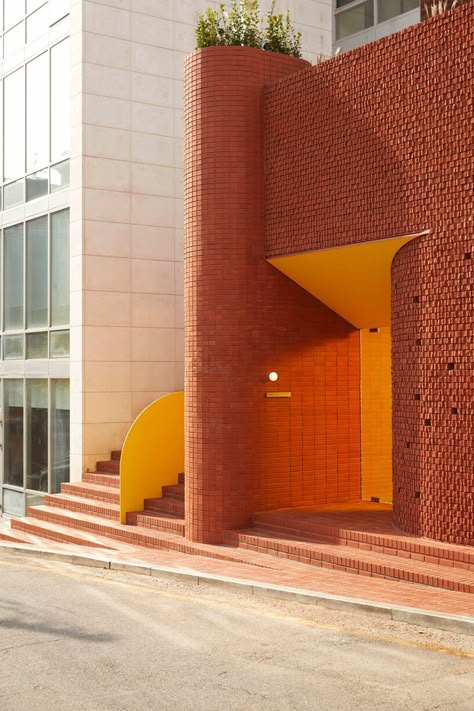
(451,366)
(373,330)
(467,255)
(416,299)
(417,396)
(427,421)
(454,411)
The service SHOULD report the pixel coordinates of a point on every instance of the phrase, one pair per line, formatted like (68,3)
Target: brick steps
(112,466)
(168,507)
(84,505)
(94,492)
(388,543)
(101,478)
(115,455)
(16,537)
(173,491)
(369,563)
(54,532)
(156,521)
(73,527)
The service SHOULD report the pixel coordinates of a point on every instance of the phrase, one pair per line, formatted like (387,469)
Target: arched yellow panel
(153,452)
(353,280)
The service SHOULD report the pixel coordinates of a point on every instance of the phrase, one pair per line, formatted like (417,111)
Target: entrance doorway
(35,440)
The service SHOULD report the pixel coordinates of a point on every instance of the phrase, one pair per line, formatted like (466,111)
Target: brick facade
(377,143)
(370,145)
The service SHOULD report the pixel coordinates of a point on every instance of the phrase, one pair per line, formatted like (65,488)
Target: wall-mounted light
(273,377)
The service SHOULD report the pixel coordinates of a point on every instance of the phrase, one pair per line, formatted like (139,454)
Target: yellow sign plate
(277,394)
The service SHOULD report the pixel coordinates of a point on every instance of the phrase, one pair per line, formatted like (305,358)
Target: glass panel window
(13,278)
(37,185)
(13,347)
(60,443)
(14,125)
(57,9)
(37,272)
(14,40)
(59,346)
(36,345)
(60,268)
(14,11)
(37,435)
(37,24)
(355,19)
(37,113)
(13,194)
(60,90)
(59,176)
(391,8)
(13,432)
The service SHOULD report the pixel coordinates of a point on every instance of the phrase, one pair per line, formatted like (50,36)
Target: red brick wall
(244,319)
(375,143)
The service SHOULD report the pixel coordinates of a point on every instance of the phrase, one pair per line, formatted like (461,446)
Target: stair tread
(346,553)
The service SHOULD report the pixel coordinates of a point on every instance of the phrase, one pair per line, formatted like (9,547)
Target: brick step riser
(360,540)
(86,507)
(28,526)
(108,497)
(113,481)
(181,478)
(108,467)
(165,506)
(164,524)
(341,562)
(174,491)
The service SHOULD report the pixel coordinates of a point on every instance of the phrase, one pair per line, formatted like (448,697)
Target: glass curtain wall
(36,130)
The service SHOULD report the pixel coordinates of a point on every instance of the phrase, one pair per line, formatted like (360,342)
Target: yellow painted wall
(376,414)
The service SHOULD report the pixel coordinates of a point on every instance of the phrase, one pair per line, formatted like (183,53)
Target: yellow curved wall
(376,414)
(153,452)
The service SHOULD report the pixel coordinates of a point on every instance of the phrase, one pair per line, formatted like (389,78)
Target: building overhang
(353,280)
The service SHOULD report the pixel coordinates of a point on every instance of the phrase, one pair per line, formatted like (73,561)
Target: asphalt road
(77,638)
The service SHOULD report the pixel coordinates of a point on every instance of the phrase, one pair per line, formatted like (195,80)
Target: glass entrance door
(35,441)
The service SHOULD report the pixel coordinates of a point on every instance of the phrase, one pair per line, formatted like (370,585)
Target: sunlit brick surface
(244,319)
(378,143)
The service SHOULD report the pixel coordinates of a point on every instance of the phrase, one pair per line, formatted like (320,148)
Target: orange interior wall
(376,414)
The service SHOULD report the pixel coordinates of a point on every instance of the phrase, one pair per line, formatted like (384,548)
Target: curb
(460,624)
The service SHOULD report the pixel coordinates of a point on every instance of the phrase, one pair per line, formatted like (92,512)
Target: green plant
(280,35)
(242,25)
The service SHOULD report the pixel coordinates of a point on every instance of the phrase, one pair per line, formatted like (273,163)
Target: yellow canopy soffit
(354,280)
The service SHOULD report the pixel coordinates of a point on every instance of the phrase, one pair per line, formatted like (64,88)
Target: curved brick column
(433,443)
(224,250)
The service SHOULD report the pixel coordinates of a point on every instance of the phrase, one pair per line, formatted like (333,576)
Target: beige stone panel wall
(127,340)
